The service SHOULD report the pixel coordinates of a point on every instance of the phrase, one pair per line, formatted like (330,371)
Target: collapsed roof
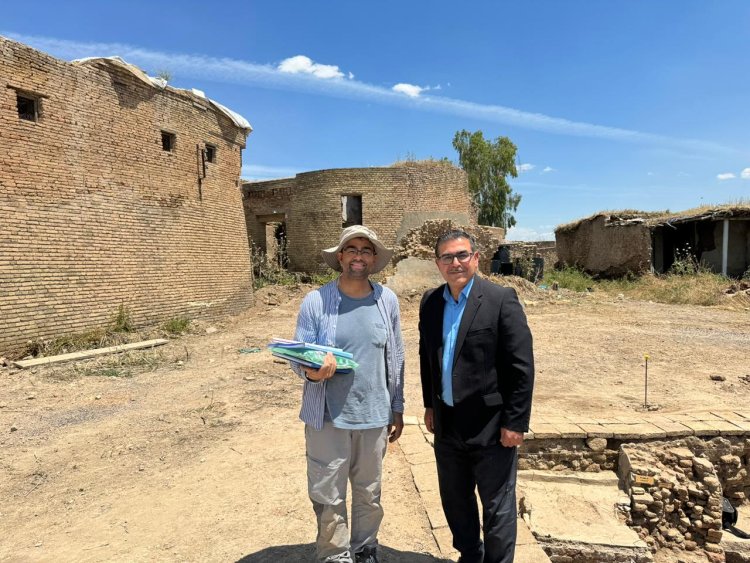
(659,218)
(161,84)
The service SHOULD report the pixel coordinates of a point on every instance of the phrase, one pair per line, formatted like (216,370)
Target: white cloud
(410,90)
(304,65)
(548,169)
(725,176)
(745,174)
(649,173)
(302,74)
(525,167)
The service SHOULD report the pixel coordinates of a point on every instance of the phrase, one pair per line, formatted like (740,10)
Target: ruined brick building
(115,189)
(310,209)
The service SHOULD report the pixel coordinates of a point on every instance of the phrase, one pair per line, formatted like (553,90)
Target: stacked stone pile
(420,242)
(675,497)
(731,459)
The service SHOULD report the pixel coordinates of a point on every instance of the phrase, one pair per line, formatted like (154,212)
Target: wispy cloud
(529,234)
(525,167)
(725,176)
(745,174)
(548,169)
(260,172)
(316,78)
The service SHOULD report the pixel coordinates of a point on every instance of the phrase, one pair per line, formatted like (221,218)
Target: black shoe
(367,555)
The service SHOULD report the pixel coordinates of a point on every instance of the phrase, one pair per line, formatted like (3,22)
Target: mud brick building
(616,243)
(115,189)
(310,209)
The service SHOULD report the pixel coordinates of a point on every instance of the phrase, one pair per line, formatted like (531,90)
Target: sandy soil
(202,458)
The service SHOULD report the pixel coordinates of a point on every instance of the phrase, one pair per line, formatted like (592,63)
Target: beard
(358,271)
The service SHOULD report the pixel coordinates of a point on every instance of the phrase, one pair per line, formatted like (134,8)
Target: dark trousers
(492,469)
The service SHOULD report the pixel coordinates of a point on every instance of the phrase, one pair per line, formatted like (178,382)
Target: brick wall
(96,214)
(394,200)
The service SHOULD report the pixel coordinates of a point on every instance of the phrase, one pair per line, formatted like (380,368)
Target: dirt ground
(202,458)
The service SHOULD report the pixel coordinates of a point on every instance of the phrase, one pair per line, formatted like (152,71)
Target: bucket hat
(382,254)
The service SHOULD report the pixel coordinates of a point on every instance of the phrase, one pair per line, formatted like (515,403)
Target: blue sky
(616,104)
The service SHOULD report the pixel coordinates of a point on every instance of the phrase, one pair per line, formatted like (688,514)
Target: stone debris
(420,242)
(682,508)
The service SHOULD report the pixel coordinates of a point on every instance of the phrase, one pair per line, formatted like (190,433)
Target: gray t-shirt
(360,400)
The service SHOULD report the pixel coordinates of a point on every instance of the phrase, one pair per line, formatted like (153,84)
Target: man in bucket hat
(350,418)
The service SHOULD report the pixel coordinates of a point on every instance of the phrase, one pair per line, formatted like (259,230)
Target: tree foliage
(488,164)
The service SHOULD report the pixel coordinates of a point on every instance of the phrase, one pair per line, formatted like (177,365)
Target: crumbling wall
(394,200)
(577,454)
(420,242)
(605,250)
(96,214)
(676,491)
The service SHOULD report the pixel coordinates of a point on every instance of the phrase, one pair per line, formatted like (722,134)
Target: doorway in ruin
(276,244)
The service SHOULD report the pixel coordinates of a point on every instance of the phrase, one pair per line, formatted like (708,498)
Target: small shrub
(122,321)
(176,326)
(267,271)
(685,263)
(320,279)
(569,278)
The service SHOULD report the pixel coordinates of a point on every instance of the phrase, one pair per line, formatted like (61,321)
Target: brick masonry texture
(394,200)
(96,214)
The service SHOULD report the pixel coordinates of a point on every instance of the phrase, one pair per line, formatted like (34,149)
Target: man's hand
(326,371)
(510,438)
(395,429)
(429,421)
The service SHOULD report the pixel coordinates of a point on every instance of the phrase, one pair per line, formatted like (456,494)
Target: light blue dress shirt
(452,314)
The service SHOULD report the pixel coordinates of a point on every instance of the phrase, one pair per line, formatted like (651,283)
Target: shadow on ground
(306,552)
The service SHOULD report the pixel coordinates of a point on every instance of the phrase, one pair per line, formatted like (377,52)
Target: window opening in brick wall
(168,141)
(351,210)
(210,153)
(28,107)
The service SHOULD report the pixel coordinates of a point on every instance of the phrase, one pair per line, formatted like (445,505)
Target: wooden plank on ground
(85,354)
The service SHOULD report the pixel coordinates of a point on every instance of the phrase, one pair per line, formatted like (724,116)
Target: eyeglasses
(366,252)
(462,257)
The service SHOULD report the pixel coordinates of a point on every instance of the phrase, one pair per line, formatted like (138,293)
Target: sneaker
(344,557)
(367,555)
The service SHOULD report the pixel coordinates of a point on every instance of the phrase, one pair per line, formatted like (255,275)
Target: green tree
(488,164)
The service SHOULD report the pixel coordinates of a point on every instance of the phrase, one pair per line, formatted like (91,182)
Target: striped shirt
(316,324)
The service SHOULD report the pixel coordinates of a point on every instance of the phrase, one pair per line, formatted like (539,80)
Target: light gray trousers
(335,456)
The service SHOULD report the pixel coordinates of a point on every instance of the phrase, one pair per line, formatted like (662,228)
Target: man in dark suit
(477,368)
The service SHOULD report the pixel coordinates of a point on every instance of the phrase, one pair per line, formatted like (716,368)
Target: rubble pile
(420,242)
(675,497)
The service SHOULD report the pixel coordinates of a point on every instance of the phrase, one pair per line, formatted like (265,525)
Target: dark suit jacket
(493,363)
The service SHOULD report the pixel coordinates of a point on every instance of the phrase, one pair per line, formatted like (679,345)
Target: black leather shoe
(367,555)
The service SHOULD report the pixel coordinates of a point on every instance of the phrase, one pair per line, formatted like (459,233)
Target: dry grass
(702,288)
(656,217)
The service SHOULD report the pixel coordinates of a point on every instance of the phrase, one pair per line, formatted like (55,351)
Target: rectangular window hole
(28,108)
(167,141)
(210,153)
(351,210)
